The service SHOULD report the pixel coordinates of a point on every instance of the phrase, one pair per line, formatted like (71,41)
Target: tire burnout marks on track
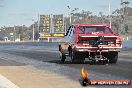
(121,69)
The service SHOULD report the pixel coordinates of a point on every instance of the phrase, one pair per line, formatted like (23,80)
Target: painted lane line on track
(124,59)
(40,50)
(5,83)
(125,54)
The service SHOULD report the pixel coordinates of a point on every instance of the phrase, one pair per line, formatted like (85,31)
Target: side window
(68,31)
(72,31)
(69,34)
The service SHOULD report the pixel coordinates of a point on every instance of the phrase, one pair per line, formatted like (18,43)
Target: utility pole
(64,24)
(38,25)
(71,12)
(22,34)
(51,27)
(14,33)
(109,15)
(33,30)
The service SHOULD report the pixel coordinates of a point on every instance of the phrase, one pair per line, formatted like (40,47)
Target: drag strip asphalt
(49,58)
(121,70)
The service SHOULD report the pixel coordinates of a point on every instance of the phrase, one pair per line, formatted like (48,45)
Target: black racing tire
(76,57)
(113,57)
(63,57)
(73,57)
(59,47)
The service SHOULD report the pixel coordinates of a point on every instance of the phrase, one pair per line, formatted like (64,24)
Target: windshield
(94,30)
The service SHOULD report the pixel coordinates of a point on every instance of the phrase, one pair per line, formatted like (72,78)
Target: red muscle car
(97,42)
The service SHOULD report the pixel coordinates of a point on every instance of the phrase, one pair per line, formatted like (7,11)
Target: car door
(66,40)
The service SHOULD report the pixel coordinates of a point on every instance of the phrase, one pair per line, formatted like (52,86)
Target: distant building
(51,27)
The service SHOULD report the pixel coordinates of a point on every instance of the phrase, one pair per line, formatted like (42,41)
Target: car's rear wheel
(76,57)
(113,57)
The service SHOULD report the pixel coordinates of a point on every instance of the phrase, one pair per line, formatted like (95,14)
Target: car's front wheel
(63,57)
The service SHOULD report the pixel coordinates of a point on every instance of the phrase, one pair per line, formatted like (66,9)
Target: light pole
(71,12)
(33,30)
(38,25)
(5,34)
(109,15)
(14,33)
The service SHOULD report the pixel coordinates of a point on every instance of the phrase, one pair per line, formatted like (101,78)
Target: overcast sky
(21,12)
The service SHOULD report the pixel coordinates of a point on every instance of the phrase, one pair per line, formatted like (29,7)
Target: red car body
(93,41)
